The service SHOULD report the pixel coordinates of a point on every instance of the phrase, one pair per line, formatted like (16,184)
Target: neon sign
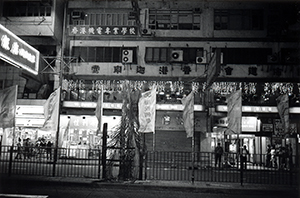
(17,52)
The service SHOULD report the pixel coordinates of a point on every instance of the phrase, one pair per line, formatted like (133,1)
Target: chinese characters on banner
(103,30)
(8,99)
(147,111)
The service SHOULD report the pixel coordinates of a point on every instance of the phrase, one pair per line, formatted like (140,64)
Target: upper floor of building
(159,40)
(185,19)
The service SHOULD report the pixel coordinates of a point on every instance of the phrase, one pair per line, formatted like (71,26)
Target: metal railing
(202,167)
(159,165)
(41,161)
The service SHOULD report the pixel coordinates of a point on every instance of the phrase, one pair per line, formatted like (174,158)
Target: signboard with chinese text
(17,52)
(267,127)
(249,123)
(103,30)
(173,121)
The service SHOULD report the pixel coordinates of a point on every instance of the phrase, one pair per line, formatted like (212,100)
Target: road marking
(25,196)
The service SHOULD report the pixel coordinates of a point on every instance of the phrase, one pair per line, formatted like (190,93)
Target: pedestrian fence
(203,167)
(155,165)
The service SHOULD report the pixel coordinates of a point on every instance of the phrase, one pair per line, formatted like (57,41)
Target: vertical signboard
(17,52)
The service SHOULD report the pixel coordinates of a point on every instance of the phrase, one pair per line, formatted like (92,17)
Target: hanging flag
(234,112)
(213,68)
(8,102)
(63,137)
(51,111)
(99,109)
(66,132)
(283,110)
(147,111)
(188,114)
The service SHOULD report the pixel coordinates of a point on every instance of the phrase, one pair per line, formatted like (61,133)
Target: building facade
(169,43)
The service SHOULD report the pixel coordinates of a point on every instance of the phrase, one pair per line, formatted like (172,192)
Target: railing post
(241,170)
(10,160)
(104,148)
(145,164)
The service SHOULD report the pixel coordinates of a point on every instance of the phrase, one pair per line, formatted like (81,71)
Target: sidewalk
(204,187)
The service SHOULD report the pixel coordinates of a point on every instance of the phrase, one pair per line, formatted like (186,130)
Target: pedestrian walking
(26,149)
(268,159)
(273,157)
(282,158)
(49,150)
(218,155)
(19,150)
(244,155)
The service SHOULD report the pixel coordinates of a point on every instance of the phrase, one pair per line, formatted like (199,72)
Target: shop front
(260,134)
(79,133)
(29,123)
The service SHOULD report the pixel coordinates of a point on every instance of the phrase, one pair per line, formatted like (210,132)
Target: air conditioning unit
(127,56)
(201,60)
(146,31)
(176,56)
(273,58)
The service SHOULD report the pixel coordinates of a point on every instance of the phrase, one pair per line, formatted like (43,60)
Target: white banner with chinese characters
(147,111)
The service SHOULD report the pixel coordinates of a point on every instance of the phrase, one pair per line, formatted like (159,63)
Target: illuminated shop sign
(258,109)
(249,123)
(103,30)
(107,105)
(17,52)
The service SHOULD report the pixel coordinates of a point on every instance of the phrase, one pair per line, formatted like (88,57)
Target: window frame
(249,19)
(101,54)
(173,19)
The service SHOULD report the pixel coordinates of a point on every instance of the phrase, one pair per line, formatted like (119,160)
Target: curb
(199,187)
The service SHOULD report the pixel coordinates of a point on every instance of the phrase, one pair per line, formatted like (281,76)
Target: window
(162,54)
(174,19)
(26,9)
(104,19)
(100,54)
(246,55)
(235,19)
(157,55)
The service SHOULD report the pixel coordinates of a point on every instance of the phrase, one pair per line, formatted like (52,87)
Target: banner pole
(57,134)
(193,145)
(60,90)
(193,156)
(14,133)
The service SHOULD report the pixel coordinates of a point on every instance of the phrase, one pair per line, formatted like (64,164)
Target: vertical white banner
(51,111)
(147,111)
(188,114)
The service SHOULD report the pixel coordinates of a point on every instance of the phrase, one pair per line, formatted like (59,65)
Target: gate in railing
(202,167)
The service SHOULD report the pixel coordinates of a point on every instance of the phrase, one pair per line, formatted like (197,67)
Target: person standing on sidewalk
(268,159)
(218,155)
(19,149)
(244,155)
